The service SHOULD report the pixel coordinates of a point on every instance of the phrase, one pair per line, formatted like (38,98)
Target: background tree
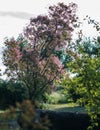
(31,57)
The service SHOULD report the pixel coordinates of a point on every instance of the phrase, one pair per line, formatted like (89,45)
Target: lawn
(1,111)
(69,107)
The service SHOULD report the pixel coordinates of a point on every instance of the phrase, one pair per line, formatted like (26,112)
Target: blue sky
(15,14)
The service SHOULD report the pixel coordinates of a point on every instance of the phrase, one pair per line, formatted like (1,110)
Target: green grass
(69,107)
(1,111)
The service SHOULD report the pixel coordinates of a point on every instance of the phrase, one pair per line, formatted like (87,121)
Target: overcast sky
(15,14)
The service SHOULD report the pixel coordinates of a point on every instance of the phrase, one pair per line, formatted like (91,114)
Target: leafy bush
(70,90)
(55,98)
(10,93)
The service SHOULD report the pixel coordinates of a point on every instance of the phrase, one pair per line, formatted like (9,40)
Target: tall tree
(31,57)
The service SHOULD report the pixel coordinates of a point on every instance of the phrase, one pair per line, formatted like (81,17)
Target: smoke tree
(31,58)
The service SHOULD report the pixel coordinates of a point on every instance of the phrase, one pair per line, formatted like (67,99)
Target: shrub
(10,93)
(55,98)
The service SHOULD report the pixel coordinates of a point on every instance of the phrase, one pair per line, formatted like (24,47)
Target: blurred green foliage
(55,98)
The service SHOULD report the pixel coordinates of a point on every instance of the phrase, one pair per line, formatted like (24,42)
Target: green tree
(86,80)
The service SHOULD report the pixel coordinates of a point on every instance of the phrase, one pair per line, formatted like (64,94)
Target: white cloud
(20,15)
